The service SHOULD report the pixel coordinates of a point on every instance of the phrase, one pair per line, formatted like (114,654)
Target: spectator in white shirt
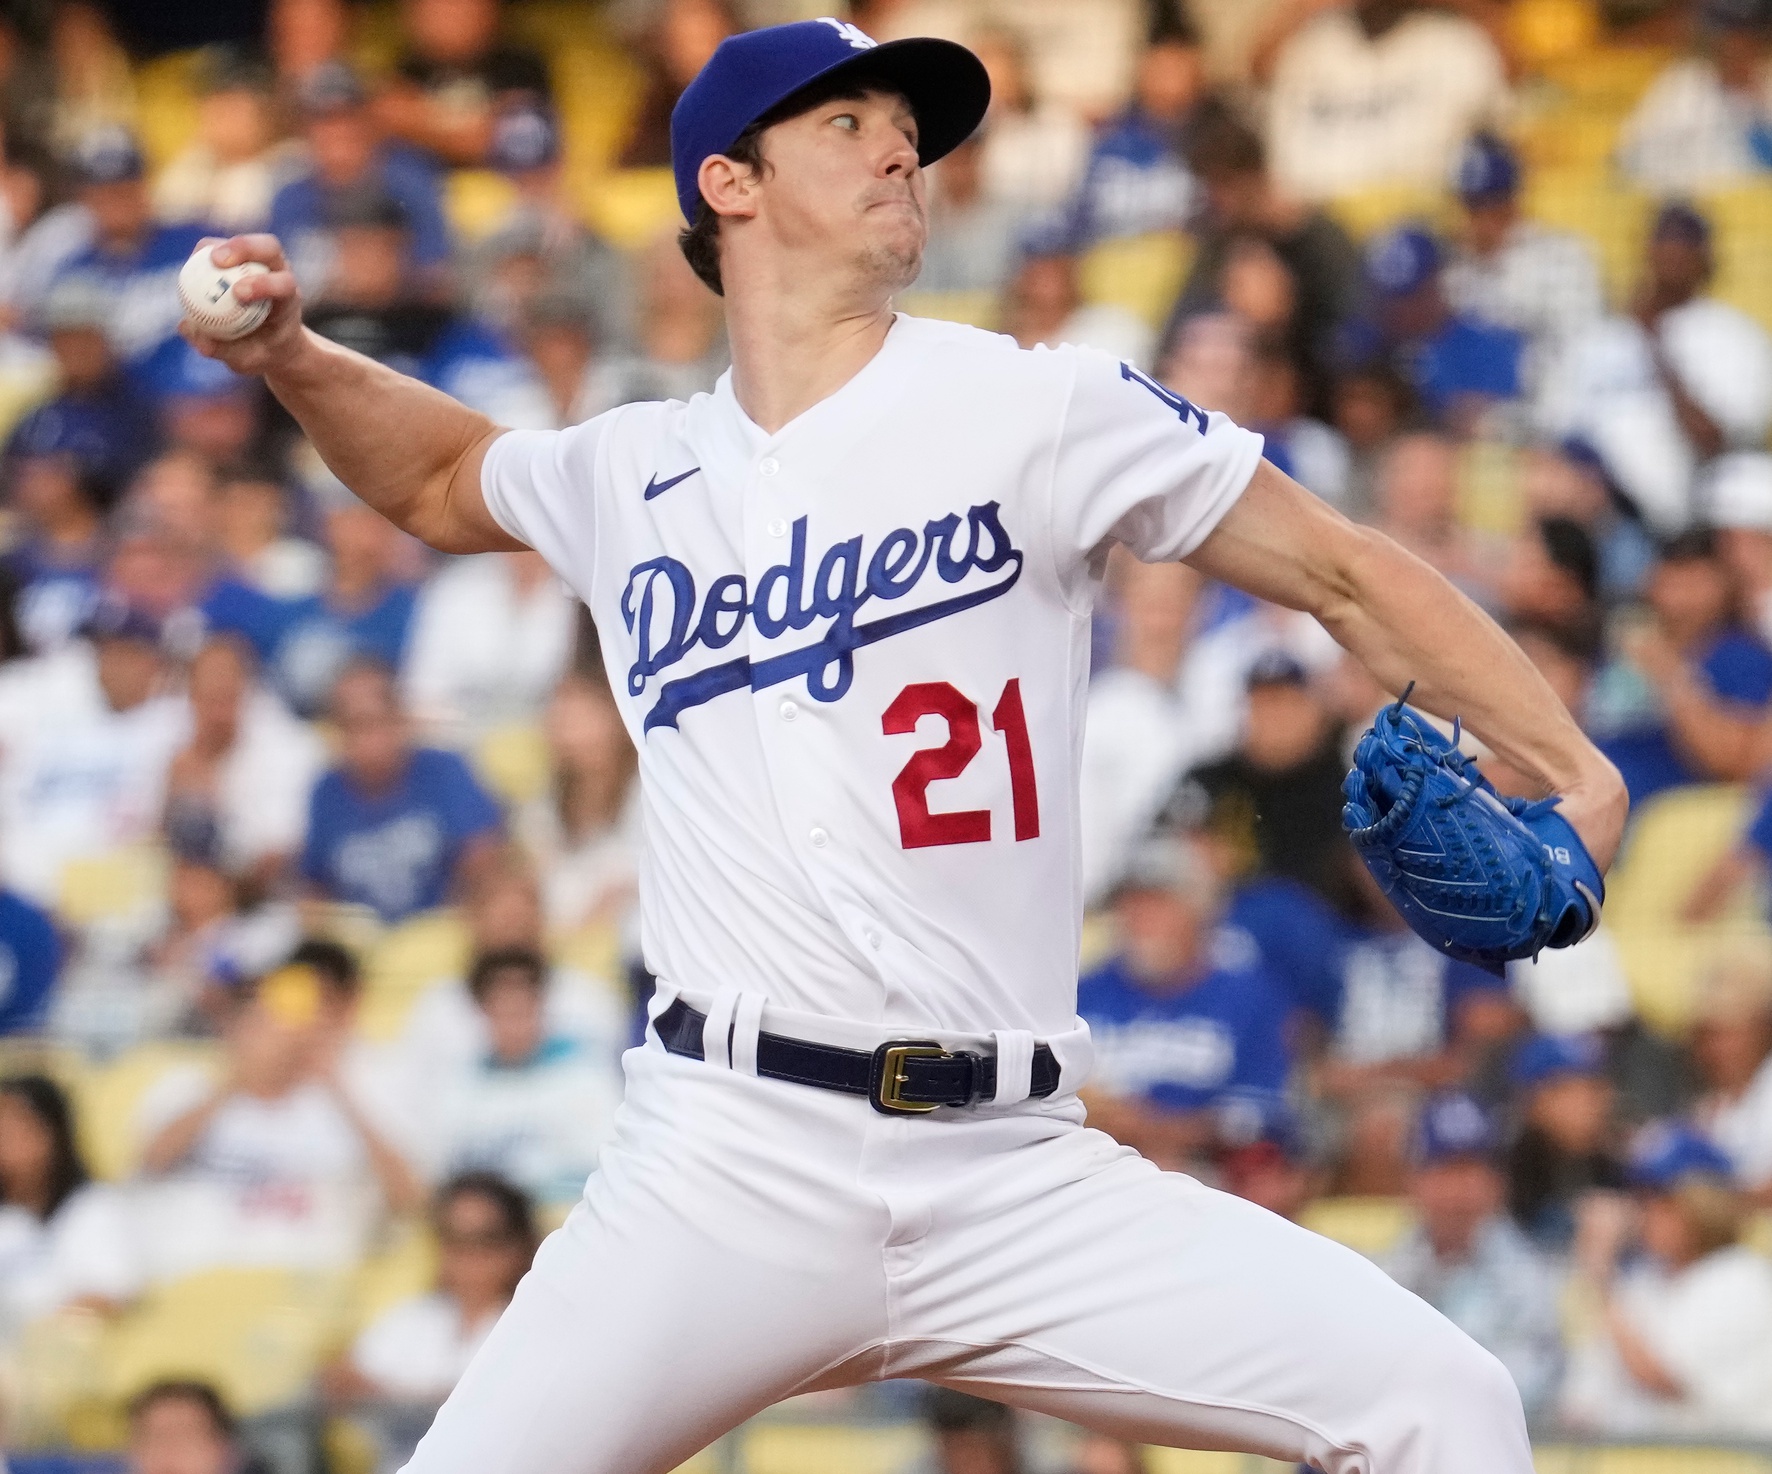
(65,1241)
(971,245)
(1137,742)
(279,1163)
(536,1107)
(182,1427)
(1044,304)
(583,833)
(1511,271)
(225,178)
(1033,149)
(85,774)
(250,524)
(1684,1344)
(247,768)
(1680,379)
(1732,1045)
(1707,120)
(491,636)
(409,1358)
(1376,92)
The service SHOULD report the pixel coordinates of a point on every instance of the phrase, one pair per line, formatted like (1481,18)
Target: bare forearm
(176,1139)
(1717,736)
(391,439)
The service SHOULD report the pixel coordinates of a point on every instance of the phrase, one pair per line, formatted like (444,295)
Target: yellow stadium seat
(1142,273)
(1366,212)
(401,1269)
(54,1381)
(107,1098)
(1370,1226)
(1674,839)
(705,1462)
(980,309)
(1613,217)
(166,104)
(599,87)
(404,962)
(592,950)
(1573,1460)
(632,206)
(1545,32)
(820,1449)
(1610,78)
(1742,217)
(258,1335)
(514,761)
(1192,1461)
(116,884)
(476,200)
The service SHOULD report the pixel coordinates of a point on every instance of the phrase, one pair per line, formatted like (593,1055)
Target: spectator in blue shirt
(1178,1025)
(132,261)
(394,827)
(30,959)
(350,156)
(59,556)
(1686,702)
(1137,179)
(362,610)
(1458,367)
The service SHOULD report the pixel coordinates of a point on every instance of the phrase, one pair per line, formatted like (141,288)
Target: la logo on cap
(851,33)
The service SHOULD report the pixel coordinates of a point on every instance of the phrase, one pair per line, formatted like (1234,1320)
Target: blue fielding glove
(1483,878)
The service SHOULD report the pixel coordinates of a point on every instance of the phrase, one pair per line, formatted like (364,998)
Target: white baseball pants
(747,1239)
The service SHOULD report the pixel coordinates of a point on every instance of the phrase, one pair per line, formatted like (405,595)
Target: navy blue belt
(901,1077)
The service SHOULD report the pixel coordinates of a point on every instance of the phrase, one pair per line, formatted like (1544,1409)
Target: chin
(893,261)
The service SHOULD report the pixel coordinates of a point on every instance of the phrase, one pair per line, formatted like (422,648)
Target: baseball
(207,292)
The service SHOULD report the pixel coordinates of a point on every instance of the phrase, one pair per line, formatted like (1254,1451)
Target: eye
(849,121)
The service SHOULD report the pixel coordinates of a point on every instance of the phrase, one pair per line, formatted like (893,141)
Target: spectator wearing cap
(970,1434)
(1706,121)
(86,762)
(30,963)
(1468,1260)
(57,564)
(133,261)
(1732,1045)
(373,302)
(1364,93)
(1737,502)
(348,154)
(542,244)
(1242,204)
(228,174)
(201,405)
(98,414)
(1177,1027)
(1459,367)
(1571,481)
(1137,179)
(453,76)
(1682,1344)
(1660,390)
(394,827)
(1043,302)
(1263,1156)
(1513,272)
(1137,742)
(1564,1150)
(1685,701)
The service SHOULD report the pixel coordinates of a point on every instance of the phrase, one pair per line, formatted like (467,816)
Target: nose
(900,160)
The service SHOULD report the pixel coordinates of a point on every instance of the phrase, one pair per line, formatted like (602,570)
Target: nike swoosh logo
(655,487)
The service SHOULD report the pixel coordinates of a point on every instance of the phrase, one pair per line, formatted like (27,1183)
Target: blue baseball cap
(1663,1152)
(108,155)
(176,370)
(1402,260)
(1453,1125)
(526,137)
(115,618)
(1487,170)
(1546,1055)
(946,85)
(1681,220)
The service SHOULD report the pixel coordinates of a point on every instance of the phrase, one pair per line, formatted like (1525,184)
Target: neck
(790,351)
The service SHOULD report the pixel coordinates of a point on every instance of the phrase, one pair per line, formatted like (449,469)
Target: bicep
(1281,543)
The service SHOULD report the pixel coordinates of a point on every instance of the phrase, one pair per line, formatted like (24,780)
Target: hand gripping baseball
(1483,878)
(260,350)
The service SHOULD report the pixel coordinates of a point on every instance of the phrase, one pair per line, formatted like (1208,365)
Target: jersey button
(819,839)
(789,710)
(768,466)
(873,939)
(778,527)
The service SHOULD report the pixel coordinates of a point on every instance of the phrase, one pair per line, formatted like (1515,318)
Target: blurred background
(317,944)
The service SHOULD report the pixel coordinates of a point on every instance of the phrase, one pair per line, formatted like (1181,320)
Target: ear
(730,188)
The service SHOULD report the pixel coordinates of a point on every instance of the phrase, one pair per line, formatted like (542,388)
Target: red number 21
(917,826)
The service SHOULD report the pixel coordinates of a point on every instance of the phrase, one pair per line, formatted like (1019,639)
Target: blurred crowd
(319,850)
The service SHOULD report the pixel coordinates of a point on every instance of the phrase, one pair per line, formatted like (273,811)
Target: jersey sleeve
(1138,464)
(541,487)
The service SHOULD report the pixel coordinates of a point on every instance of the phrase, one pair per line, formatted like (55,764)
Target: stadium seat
(56,1393)
(980,309)
(1545,32)
(1742,217)
(822,1449)
(1370,1226)
(1612,216)
(1674,839)
(1366,212)
(514,762)
(475,200)
(594,950)
(107,1099)
(401,1268)
(403,962)
(166,104)
(1141,273)
(120,883)
(633,206)
(258,1335)
(1192,1461)
(1575,1460)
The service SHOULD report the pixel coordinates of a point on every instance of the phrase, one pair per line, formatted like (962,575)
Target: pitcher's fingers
(202,342)
(259,246)
(272,286)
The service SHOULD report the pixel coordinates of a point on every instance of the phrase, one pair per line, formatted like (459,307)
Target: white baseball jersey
(853,655)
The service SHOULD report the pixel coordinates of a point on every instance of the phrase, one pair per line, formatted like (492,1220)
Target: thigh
(701,1279)
(1145,1305)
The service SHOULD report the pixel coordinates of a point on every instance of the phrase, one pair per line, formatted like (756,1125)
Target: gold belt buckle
(890,1077)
